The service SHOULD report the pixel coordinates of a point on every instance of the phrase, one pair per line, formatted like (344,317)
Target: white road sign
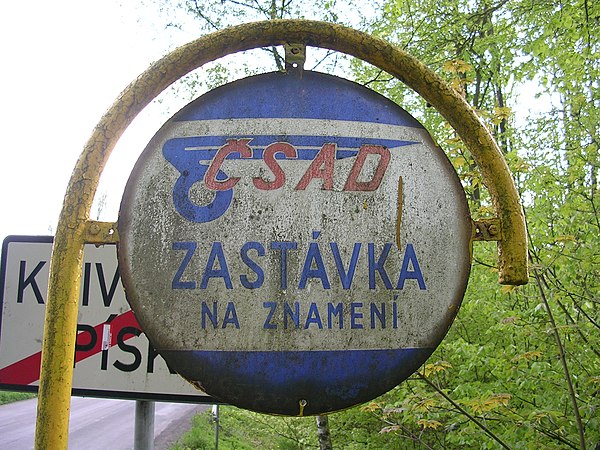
(113,357)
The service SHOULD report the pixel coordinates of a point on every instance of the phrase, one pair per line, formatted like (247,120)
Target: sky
(64,63)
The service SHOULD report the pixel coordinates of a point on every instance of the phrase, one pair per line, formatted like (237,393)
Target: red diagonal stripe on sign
(27,370)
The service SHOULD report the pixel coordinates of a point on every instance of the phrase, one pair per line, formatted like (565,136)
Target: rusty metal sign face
(294,245)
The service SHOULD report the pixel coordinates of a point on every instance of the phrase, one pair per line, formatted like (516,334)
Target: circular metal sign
(294,245)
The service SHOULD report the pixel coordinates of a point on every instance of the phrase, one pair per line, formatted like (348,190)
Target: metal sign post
(144,425)
(75,228)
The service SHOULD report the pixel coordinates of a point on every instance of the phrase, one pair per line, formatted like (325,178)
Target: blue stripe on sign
(314,96)
(275,381)
(206,147)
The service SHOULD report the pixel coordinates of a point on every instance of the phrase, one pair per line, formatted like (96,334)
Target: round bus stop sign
(294,244)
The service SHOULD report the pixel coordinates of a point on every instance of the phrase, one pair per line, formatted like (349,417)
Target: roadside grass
(245,430)
(10,397)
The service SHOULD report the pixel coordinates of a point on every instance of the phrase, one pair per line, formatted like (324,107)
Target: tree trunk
(323,433)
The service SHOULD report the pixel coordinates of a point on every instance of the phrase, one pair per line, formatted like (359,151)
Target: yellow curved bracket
(74,227)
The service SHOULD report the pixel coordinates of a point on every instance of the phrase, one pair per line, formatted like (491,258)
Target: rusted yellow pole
(67,254)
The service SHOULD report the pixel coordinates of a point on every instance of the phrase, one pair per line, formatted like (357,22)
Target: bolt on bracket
(101,233)
(295,56)
(487,230)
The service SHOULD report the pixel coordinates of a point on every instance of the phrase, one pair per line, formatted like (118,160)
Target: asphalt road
(97,424)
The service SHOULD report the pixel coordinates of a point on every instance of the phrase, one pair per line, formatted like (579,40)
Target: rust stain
(399,213)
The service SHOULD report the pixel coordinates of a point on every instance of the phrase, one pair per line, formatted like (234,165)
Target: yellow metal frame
(75,229)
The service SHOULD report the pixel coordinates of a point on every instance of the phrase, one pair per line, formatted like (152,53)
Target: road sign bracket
(489,229)
(101,232)
(67,262)
(295,57)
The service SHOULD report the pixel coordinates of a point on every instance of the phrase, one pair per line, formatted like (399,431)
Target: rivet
(95,229)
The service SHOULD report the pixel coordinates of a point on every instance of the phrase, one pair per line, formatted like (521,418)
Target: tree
(213,15)
(520,364)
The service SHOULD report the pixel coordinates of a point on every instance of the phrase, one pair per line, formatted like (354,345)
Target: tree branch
(561,353)
(464,412)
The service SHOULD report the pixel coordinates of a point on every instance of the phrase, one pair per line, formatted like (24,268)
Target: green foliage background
(520,367)
(10,397)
